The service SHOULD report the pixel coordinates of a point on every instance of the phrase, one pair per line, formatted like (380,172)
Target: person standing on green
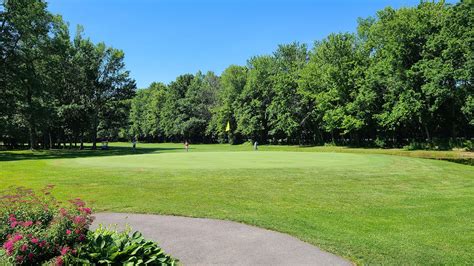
(186,145)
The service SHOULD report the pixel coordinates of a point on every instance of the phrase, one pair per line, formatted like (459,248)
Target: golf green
(227,160)
(369,208)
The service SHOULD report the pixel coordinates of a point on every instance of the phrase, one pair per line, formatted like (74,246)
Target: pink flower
(68,232)
(59,261)
(78,220)
(12,218)
(19,259)
(86,210)
(34,240)
(64,250)
(63,212)
(17,237)
(30,256)
(78,202)
(27,223)
(8,246)
(24,247)
(81,237)
(42,244)
(13,224)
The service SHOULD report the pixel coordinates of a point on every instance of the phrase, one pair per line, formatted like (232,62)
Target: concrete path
(197,241)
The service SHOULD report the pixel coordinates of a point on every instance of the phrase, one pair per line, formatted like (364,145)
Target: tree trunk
(95,123)
(50,141)
(82,141)
(427,132)
(31,137)
(75,139)
(453,120)
(31,129)
(94,139)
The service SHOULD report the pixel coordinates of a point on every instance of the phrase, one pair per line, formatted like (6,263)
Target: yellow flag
(227,128)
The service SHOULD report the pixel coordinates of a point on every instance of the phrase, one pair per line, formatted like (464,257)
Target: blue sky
(163,39)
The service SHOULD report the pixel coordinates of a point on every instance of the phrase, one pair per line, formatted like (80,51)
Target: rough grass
(358,203)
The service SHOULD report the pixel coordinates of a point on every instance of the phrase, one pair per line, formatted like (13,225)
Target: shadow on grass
(69,154)
(466,161)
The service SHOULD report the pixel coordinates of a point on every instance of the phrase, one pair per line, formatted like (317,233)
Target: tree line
(405,76)
(56,88)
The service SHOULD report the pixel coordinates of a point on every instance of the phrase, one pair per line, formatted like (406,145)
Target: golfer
(186,145)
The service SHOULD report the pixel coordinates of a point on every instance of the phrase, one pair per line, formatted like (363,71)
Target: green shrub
(468,145)
(380,143)
(37,229)
(415,146)
(330,144)
(34,227)
(108,246)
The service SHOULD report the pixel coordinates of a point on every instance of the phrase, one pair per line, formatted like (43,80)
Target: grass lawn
(361,204)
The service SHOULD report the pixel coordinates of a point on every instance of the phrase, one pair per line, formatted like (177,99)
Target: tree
(286,110)
(173,114)
(145,112)
(251,111)
(111,86)
(24,37)
(232,82)
(66,113)
(405,76)
(448,67)
(398,39)
(331,81)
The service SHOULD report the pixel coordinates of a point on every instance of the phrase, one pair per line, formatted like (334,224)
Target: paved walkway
(197,241)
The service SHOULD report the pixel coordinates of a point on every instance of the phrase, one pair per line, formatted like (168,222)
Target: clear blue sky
(163,39)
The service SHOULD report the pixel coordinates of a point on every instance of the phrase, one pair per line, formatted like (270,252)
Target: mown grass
(121,148)
(358,203)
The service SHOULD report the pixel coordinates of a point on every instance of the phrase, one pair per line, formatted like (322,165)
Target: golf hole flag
(227,128)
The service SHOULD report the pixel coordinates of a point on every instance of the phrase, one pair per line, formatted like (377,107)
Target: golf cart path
(198,241)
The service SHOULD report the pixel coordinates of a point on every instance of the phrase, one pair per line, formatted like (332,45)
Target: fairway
(369,208)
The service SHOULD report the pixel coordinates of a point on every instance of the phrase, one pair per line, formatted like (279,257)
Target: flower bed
(35,228)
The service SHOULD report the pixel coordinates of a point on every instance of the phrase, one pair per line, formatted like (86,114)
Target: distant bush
(380,143)
(415,145)
(468,145)
(330,144)
(36,229)
(441,144)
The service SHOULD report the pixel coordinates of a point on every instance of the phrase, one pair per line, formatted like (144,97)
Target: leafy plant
(380,143)
(469,145)
(415,146)
(35,227)
(109,246)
